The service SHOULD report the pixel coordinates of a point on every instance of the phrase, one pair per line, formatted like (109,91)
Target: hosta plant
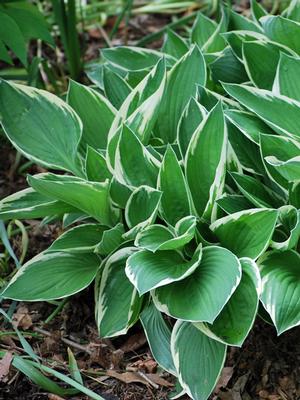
(179,189)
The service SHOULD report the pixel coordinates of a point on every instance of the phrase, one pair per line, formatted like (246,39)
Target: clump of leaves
(184,173)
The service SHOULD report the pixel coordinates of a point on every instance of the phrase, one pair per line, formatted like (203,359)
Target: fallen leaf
(22,319)
(127,377)
(5,364)
(134,342)
(225,377)
(159,380)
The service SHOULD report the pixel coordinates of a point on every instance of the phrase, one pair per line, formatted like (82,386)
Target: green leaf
(155,327)
(236,39)
(52,276)
(134,164)
(30,21)
(140,109)
(232,203)
(192,116)
(206,162)
(134,58)
(115,87)
(286,81)
(147,270)
(237,317)
(280,272)
(73,367)
(159,237)
(29,204)
(257,11)
(95,112)
(95,166)
(194,298)
(90,197)
(289,169)
(282,30)
(289,219)
(275,151)
(249,124)
(174,45)
(182,80)
(80,239)
(247,152)
(36,376)
(111,240)
(254,229)
(261,60)
(239,23)
(279,112)
(53,130)
(175,201)
(198,360)
(228,68)
(294,194)
(117,301)
(141,209)
(292,11)
(202,30)
(11,36)
(255,191)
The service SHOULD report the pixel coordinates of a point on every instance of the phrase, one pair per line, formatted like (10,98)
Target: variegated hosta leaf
(96,169)
(117,301)
(246,151)
(29,204)
(134,164)
(280,272)
(95,112)
(288,233)
(283,31)
(159,237)
(198,359)
(181,86)
(192,116)
(139,110)
(174,45)
(80,239)
(147,270)
(111,240)
(237,38)
(289,169)
(116,89)
(232,203)
(280,112)
(52,276)
(277,152)
(206,162)
(89,197)
(141,209)
(261,60)
(246,233)
(194,298)
(286,81)
(294,194)
(257,10)
(156,327)
(234,322)
(53,129)
(248,123)
(175,200)
(133,58)
(255,191)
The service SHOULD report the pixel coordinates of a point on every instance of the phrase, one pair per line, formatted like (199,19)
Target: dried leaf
(5,364)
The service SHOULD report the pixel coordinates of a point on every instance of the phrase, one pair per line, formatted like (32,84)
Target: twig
(65,340)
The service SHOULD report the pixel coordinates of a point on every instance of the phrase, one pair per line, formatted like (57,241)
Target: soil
(266,367)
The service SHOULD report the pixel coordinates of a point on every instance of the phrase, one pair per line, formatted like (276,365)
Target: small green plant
(185,176)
